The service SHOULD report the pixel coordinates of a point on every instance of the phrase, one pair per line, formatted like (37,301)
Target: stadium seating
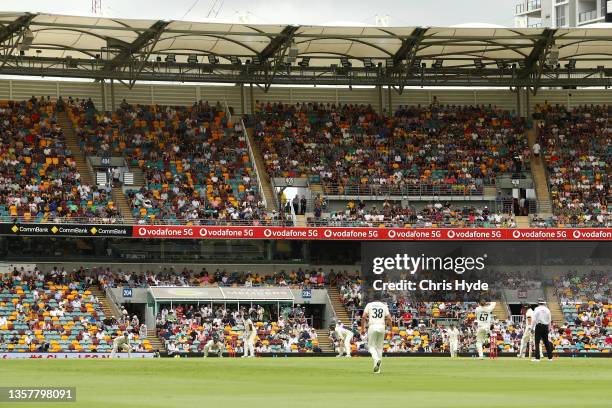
(39,181)
(587,310)
(585,302)
(220,277)
(194,159)
(577,150)
(438,215)
(187,329)
(55,313)
(419,151)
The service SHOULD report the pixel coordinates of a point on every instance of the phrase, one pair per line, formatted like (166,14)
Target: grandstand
(190,189)
(229,187)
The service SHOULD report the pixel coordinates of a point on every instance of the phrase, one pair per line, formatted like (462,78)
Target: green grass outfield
(319,382)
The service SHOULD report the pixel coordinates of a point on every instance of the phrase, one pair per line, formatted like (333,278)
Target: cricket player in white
(250,332)
(527,339)
(120,343)
(344,337)
(484,318)
(376,318)
(215,344)
(453,340)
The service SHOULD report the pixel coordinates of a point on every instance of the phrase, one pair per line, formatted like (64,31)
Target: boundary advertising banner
(5,356)
(308,233)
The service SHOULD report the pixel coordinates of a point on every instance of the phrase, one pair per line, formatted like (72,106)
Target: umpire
(541,325)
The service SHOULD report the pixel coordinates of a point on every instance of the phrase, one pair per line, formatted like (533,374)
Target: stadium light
(304,62)
(212,59)
(437,64)
(501,64)
(256,60)
(553,55)
(367,62)
(389,63)
(192,59)
(345,62)
(235,60)
(479,64)
(170,58)
(571,64)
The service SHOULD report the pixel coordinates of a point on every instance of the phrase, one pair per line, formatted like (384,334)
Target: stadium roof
(131,50)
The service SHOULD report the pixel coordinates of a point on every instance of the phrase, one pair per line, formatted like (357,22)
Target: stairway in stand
(300,221)
(155,341)
(501,311)
(552,301)
(262,173)
(72,142)
(108,311)
(121,203)
(324,342)
(522,221)
(538,173)
(341,313)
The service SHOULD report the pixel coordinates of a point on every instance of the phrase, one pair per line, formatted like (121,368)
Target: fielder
(250,333)
(344,338)
(120,343)
(376,318)
(215,344)
(453,340)
(484,318)
(527,339)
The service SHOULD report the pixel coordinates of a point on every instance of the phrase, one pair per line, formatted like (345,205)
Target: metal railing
(121,221)
(222,223)
(114,303)
(61,220)
(587,15)
(531,5)
(417,190)
(252,158)
(317,222)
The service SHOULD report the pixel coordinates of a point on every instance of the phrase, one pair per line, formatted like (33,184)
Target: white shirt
(484,315)
(121,340)
(541,314)
(248,327)
(377,313)
(453,334)
(528,319)
(342,333)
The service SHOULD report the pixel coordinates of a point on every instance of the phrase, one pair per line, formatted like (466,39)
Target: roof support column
(390,100)
(242,111)
(103,95)
(380,99)
(252,99)
(518,102)
(112,86)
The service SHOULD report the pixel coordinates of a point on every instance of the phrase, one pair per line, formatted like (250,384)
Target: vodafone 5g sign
(371,234)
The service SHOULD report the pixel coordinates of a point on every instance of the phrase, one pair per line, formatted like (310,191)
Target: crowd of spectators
(344,147)
(418,326)
(392,214)
(194,159)
(56,312)
(168,276)
(577,149)
(586,303)
(187,328)
(39,179)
